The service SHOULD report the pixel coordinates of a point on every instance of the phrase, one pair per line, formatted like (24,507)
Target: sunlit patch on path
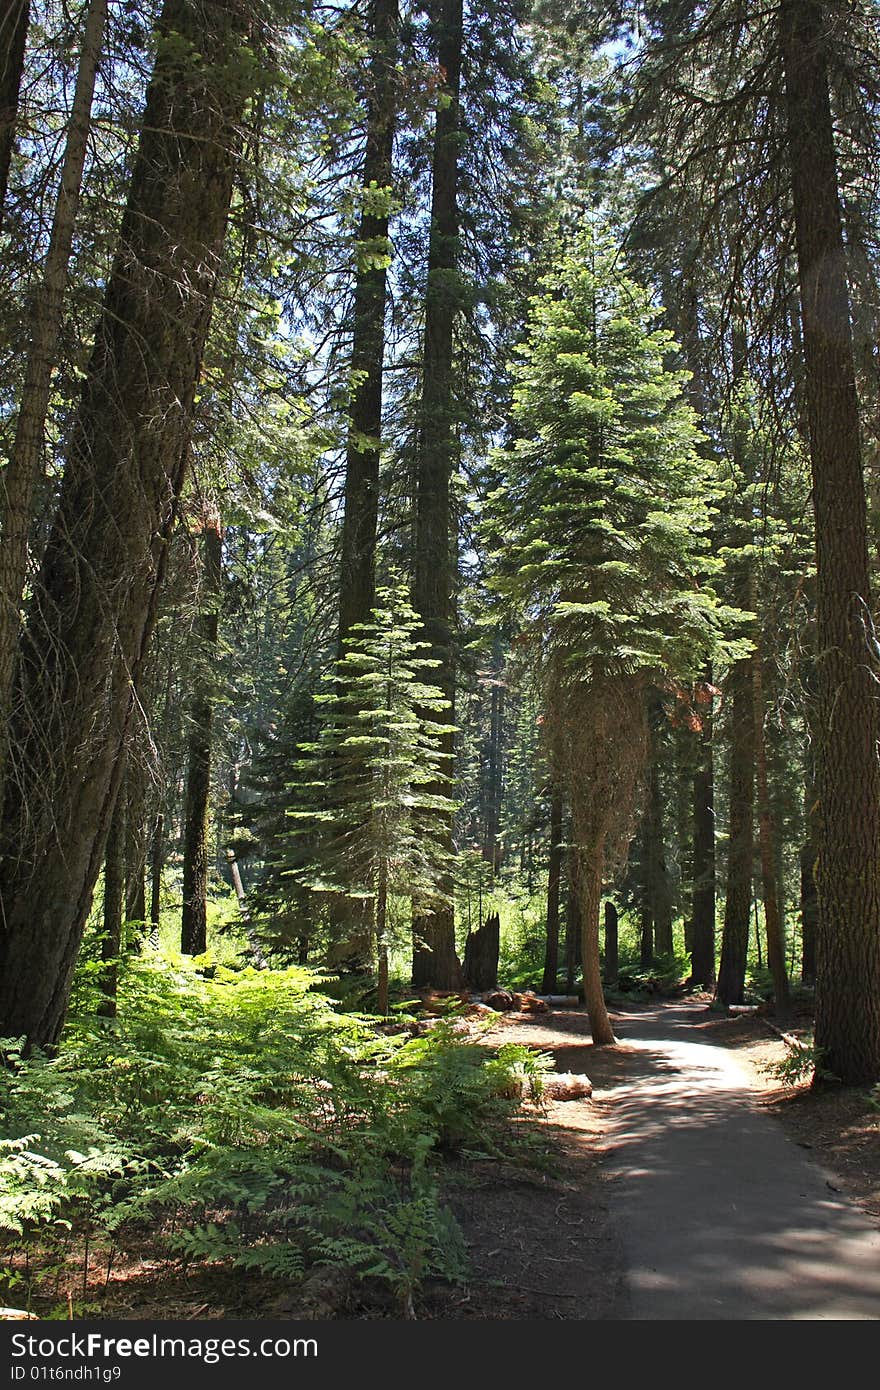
(720,1215)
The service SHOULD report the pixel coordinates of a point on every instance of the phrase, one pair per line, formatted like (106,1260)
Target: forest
(439,521)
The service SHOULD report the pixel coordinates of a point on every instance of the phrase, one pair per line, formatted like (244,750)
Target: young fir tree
(602,534)
(377,775)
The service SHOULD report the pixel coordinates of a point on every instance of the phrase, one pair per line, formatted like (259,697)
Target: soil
(542,1245)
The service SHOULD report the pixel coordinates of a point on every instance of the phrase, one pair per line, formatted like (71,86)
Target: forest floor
(687,1186)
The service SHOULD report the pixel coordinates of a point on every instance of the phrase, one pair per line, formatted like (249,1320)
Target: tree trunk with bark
(357,574)
(572,922)
(194,914)
(741,839)
(809,900)
(13,42)
(646,925)
(767,851)
(848,775)
(95,599)
(351,920)
(481,953)
(612,962)
(434,959)
(703,900)
(656,872)
(20,477)
(554,879)
(493,784)
(590,881)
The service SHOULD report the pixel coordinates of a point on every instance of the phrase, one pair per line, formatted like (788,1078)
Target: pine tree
(601,533)
(376,779)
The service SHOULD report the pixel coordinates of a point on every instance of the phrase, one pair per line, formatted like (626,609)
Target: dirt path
(713,1211)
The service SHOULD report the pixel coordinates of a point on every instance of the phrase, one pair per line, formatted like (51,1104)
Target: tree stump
(481,955)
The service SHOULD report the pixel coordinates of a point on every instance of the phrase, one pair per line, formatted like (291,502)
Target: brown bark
(767,850)
(646,925)
(95,599)
(809,900)
(357,574)
(434,959)
(612,965)
(848,777)
(493,783)
(703,897)
(358,543)
(194,913)
(590,880)
(741,841)
(657,888)
(20,477)
(481,953)
(554,878)
(14,16)
(702,914)
(572,922)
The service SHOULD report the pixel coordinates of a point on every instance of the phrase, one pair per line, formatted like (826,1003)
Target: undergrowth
(242,1119)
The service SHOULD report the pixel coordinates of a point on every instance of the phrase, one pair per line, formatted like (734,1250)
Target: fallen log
(566,1086)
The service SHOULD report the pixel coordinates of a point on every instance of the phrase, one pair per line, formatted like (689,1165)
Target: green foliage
(371,790)
(247,1121)
(665,973)
(601,526)
(802,1063)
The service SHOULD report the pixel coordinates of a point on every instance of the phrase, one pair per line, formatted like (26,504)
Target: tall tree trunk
(434,959)
(351,920)
(767,850)
(702,915)
(554,878)
(572,921)
(703,900)
(114,886)
(493,784)
(656,873)
(646,911)
(13,41)
(612,964)
(741,839)
(848,775)
(357,574)
(95,599)
(809,901)
(22,473)
(590,881)
(194,914)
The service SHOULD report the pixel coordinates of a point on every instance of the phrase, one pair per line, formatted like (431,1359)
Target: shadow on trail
(721,1216)
(716,1212)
